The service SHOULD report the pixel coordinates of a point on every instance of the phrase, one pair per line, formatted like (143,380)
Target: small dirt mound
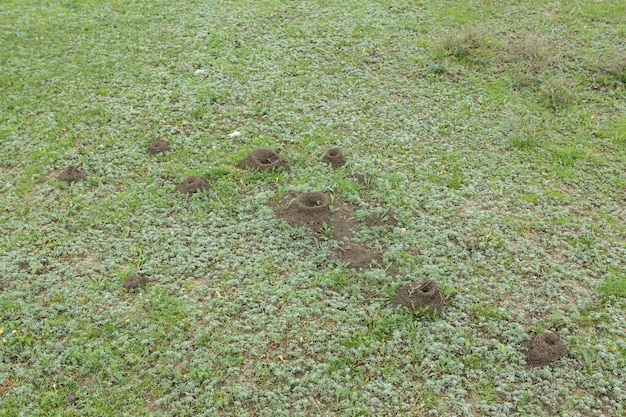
(544,348)
(192,184)
(135,282)
(312,210)
(357,256)
(72,174)
(334,157)
(417,296)
(158,146)
(264,160)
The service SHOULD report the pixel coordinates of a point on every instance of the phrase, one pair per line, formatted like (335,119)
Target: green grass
(496,134)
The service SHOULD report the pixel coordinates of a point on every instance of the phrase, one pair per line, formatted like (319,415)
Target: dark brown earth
(358,257)
(334,157)
(312,211)
(158,146)
(264,160)
(134,282)
(72,174)
(23,265)
(192,184)
(544,348)
(420,295)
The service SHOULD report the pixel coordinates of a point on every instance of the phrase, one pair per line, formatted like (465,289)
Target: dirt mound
(544,348)
(312,211)
(158,146)
(358,256)
(192,184)
(135,282)
(72,174)
(420,295)
(264,160)
(334,157)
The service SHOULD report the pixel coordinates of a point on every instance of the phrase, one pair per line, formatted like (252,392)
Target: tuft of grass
(558,92)
(470,46)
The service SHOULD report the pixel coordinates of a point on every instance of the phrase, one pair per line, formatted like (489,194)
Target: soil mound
(545,348)
(264,160)
(420,295)
(192,184)
(135,282)
(158,146)
(358,256)
(334,157)
(312,210)
(72,174)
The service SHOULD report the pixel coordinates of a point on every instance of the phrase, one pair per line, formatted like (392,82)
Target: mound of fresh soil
(544,348)
(192,184)
(264,160)
(312,210)
(158,146)
(420,295)
(72,174)
(135,282)
(334,157)
(357,256)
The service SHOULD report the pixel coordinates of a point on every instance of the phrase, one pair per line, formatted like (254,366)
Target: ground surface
(485,150)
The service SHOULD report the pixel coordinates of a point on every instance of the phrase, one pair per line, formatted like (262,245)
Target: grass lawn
(490,136)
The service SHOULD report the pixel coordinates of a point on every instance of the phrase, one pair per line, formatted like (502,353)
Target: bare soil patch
(72,174)
(135,282)
(417,296)
(192,184)
(158,146)
(358,257)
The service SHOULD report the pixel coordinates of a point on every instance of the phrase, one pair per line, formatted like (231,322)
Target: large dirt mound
(264,160)
(545,348)
(312,210)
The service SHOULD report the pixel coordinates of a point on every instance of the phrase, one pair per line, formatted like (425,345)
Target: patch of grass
(614,285)
(470,46)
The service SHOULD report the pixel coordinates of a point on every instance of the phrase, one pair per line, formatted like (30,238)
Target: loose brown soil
(264,160)
(23,265)
(334,157)
(135,282)
(358,257)
(72,174)
(158,146)
(544,348)
(192,184)
(418,296)
(312,211)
